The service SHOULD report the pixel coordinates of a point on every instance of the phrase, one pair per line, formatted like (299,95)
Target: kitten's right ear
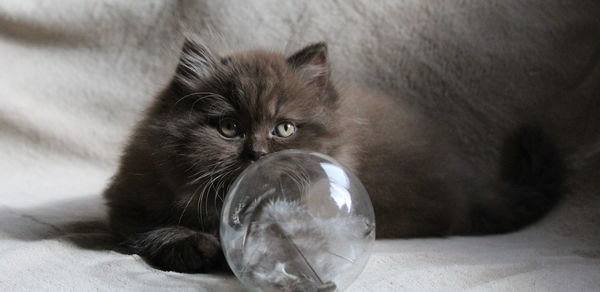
(196,63)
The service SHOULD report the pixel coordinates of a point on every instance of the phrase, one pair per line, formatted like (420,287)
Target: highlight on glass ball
(297,221)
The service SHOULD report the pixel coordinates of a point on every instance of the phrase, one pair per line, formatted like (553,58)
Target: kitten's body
(165,200)
(400,152)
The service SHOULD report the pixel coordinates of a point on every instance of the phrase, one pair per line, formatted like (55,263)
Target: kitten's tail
(532,177)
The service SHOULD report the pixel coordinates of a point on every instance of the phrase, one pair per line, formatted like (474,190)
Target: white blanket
(76,75)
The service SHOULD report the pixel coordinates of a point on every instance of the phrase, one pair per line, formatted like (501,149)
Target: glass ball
(297,221)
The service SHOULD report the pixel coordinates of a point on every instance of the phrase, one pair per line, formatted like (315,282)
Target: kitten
(218,115)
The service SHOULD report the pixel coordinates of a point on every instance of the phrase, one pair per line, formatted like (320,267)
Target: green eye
(229,128)
(285,129)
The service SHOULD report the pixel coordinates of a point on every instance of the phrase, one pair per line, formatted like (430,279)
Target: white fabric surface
(76,75)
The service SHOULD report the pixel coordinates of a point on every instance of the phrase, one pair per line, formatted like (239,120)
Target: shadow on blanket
(78,221)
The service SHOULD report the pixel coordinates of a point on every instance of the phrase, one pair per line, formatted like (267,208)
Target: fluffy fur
(165,199)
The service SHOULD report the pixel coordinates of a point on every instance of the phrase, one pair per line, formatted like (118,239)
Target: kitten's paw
(197,253)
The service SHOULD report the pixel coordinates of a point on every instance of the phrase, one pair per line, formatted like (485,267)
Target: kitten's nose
(256,155)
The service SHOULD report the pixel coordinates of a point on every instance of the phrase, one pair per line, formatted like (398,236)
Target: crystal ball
(297,221)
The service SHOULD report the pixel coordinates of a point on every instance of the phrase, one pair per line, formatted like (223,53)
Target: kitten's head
(222,113)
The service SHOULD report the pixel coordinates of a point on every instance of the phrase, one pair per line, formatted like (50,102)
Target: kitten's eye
(229,128)
(285,129)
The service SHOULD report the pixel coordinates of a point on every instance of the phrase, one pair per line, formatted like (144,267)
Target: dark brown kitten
(218,115)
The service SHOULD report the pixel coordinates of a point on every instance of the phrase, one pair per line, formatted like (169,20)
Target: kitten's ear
(312,65)
(196,63)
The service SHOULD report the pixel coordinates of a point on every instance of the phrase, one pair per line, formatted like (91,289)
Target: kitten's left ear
(196,63)
(312,65)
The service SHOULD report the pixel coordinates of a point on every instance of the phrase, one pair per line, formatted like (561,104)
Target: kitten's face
(219,118)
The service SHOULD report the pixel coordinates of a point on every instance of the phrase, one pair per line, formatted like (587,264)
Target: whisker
(221,185)
(206,188)
(186,206)
(199,99)
(204,95)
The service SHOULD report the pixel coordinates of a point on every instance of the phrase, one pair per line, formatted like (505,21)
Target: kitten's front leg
(179,249)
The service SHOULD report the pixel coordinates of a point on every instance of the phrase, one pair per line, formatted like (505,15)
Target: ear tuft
(312,65)
(196,63)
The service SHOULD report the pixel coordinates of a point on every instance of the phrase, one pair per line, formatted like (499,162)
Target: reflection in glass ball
(297,221)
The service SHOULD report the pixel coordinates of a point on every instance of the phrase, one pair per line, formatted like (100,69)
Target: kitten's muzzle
(256,155)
